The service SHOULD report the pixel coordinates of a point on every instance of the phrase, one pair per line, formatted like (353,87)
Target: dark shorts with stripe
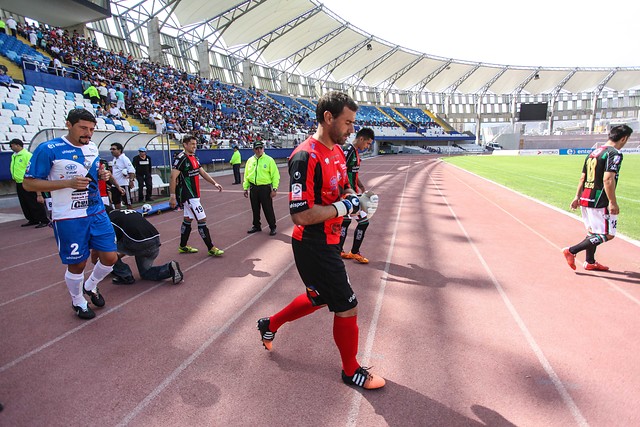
(324,275)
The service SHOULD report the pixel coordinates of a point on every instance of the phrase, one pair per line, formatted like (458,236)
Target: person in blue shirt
(69,168)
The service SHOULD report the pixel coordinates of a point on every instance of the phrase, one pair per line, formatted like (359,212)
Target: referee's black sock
(185,230)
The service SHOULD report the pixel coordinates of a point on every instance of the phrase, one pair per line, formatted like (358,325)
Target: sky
(550,33)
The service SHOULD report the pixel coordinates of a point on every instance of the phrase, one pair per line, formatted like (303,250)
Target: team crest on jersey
(296,191)
(333,182)
(75,157)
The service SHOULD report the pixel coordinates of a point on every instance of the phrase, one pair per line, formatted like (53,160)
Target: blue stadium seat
(108,121)
(18,121)
(119,127)
(135,128)
(9,106)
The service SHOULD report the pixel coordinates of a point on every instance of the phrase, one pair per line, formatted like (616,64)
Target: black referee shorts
(324,275)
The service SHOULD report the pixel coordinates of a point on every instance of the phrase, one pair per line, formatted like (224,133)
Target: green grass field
(554,180)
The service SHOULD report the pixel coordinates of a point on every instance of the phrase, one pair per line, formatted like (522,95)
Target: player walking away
(184,190)
(363,141)
(320,196)
(69,168)
(596,196)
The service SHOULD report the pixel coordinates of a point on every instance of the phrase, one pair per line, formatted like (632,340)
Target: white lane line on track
(354,407)
(100,316)
(189,360)
(606,280)
(564,394)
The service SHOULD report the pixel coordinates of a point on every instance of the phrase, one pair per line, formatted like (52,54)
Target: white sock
(100,271)
(74,285)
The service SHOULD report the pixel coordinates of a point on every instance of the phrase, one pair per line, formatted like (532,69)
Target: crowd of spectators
(168,99)
(163,96)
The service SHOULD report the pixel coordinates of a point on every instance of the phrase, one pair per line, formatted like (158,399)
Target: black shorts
(324,275)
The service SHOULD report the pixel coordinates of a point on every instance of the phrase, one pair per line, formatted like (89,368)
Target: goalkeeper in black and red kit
(320,195)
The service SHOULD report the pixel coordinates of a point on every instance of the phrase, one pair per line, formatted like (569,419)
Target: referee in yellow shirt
(261,179)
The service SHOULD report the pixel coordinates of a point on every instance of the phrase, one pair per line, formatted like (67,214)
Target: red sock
(345,334)
(299,307)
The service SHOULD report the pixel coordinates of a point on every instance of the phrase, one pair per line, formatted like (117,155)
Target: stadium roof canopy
(305,37)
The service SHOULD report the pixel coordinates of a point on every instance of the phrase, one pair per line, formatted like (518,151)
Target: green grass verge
(554,180)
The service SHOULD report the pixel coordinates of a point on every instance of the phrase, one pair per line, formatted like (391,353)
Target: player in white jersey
(69,168)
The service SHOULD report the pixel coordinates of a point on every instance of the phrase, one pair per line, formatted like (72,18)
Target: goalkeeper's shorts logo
(312,292)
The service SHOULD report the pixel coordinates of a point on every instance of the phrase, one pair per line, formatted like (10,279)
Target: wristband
(341,208)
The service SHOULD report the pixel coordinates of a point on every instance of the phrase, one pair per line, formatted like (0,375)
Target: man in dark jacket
(139,238)
(142,165)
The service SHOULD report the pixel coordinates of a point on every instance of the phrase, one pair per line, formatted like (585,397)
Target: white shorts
(599,221)
(194,210)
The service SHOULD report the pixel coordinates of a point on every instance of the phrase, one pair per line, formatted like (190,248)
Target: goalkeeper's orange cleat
(359,258)
(346,255)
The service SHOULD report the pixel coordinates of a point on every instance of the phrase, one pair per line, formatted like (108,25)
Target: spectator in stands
(104,92)
(32,204)
(13,26)
(93,94)
(114,112)
(3,26)
(5,80)
(120,103)
(111,95)
(124,174)
(33,39)
(142,165)
(57,66)
(158,120)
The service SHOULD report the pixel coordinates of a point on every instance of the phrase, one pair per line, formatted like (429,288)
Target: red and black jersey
(601,160)
(352,159)
(188,185)
(318,176)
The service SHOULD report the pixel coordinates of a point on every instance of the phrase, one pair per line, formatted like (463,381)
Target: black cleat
(83,313)
(265,334)
(364,379)
(96,297)
(117,280)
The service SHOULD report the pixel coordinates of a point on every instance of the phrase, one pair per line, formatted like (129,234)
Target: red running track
(467,308)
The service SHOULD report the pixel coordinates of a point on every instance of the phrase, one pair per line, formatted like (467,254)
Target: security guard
(261,179)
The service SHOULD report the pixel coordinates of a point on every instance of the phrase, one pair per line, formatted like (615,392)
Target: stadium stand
(218,114)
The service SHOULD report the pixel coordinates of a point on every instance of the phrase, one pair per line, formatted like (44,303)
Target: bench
(156,184)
